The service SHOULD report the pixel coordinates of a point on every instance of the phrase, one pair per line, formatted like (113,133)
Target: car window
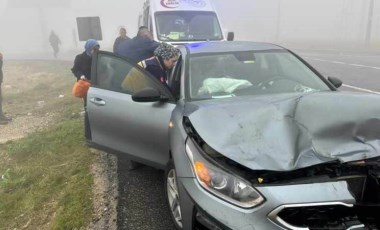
(187,26)
(250,73)
(116,74)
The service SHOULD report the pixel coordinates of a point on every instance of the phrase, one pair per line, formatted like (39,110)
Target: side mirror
(335,81)
(148,95)
(230,36)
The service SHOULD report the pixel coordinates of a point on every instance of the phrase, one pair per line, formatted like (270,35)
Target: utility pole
(369,23)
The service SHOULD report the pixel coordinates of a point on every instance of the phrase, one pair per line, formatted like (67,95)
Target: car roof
(175,6)
(229,46)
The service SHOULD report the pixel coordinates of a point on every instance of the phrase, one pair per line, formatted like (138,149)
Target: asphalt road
(142,198)
(356,70)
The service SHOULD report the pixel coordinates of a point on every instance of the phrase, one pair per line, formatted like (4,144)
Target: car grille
(364,214)
(335,215)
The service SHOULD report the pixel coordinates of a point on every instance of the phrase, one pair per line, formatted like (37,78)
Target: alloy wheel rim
(173,197)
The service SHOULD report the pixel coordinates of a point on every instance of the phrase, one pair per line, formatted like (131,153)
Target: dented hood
(287,132)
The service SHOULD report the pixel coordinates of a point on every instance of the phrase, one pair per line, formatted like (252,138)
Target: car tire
(172,195)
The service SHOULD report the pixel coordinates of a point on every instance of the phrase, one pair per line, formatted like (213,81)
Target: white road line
(361,89)
(358,65)
(317,59)
(343,63)
(338,62)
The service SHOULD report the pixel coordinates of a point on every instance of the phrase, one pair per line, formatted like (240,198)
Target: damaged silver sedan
(250,136)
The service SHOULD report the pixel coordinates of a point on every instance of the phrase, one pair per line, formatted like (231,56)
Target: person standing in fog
(122,37)
(3,119)
(54,42)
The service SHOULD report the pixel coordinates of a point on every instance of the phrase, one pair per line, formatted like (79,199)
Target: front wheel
(172,193)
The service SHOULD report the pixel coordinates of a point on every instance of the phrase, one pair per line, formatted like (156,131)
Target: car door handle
(97,101)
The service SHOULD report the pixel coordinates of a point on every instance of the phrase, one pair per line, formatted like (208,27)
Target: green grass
(46,181)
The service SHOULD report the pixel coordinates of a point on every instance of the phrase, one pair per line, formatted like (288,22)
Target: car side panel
(137,129)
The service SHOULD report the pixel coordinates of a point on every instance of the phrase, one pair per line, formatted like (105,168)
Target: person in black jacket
(123,37)
(3,119)
(140,47)
(82,70)
(82,62)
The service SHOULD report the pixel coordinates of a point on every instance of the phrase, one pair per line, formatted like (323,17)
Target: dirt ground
(22,125)
(34,115)
(105,191)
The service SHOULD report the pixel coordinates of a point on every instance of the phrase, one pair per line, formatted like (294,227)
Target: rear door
(119,123)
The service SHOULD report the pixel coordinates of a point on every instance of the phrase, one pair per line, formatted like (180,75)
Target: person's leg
(2,116)
(56,50)
(3,121)
(1,103)
(87,127)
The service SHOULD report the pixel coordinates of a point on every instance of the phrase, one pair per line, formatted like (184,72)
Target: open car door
(138,129)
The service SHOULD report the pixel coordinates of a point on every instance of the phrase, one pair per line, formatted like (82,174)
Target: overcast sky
(306,23)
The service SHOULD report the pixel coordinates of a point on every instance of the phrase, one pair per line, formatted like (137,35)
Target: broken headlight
(220,182)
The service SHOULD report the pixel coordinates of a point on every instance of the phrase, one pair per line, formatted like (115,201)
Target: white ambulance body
(182,21)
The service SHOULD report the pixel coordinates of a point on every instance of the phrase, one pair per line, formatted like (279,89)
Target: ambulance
(182,21)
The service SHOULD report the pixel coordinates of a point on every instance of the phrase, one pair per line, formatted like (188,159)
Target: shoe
(4,118)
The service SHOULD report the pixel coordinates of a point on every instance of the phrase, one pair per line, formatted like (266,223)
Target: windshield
(187,26)
(250,73)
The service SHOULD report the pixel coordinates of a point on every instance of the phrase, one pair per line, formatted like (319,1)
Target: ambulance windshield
(188,26)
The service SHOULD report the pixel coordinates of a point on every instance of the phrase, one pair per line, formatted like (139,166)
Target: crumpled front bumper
(197,203)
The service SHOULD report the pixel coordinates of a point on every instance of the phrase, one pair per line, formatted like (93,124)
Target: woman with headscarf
(82,62)
(164,59)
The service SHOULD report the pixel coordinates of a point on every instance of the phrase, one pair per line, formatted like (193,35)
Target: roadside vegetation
(45,178)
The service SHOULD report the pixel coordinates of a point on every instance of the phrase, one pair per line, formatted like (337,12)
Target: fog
(303,24)
(323,24)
